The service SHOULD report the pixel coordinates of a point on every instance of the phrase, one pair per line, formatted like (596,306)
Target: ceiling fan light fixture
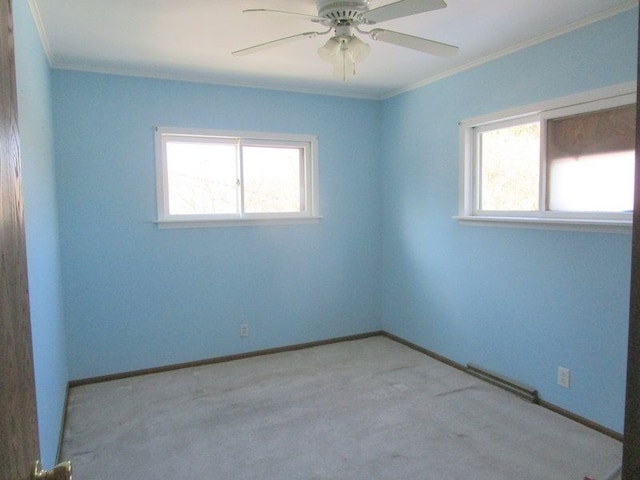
(329,52)
(344,52)
(357,49)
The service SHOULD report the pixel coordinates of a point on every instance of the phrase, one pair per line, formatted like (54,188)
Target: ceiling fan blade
(416,43)
(313,18)
(274,43)
(400,9)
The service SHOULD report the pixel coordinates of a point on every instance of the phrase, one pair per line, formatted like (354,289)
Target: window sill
(577,224)
(240,222)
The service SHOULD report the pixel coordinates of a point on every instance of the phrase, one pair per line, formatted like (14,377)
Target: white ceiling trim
(521,46)
(208,80)
(42,33)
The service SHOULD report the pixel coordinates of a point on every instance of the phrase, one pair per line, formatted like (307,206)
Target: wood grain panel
(18,426)
(631,450)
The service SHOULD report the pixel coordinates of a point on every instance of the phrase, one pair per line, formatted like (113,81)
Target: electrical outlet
(244,330)
(564,377)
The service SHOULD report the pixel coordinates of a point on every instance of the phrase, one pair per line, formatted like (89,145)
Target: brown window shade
(611,130)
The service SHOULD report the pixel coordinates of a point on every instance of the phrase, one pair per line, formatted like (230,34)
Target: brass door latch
(61,471)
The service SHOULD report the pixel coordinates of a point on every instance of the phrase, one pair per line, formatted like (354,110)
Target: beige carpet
(365,409)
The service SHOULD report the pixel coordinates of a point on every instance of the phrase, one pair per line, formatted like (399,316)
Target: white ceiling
(193,40)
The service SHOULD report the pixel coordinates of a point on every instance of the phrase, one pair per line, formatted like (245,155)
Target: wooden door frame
(18,422)
(631,449)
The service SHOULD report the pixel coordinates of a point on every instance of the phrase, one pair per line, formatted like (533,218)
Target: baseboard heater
(512,386)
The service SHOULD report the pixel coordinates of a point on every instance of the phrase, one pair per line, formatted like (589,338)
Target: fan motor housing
(348,11)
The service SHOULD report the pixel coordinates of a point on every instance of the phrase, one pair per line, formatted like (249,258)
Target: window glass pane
(510,168)
(272,179)
(202,178)
(591,161)
(592,183)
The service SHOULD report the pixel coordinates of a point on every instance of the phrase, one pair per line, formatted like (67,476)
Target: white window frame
(308,143)
(469,190)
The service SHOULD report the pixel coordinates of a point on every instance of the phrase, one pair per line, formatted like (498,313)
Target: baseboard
(289,348)
(549,406)
(583,421)
(222,359)
(427,352)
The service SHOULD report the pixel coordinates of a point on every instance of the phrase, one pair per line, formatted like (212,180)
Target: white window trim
(609,97)
(311,187)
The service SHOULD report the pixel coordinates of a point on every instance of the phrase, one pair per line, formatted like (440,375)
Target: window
(221,178)
(568,163)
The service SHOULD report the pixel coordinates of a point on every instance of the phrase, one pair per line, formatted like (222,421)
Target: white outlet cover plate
(564,377)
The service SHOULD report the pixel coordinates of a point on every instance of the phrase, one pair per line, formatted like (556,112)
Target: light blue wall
(517,301)
(41,224)
(137,296)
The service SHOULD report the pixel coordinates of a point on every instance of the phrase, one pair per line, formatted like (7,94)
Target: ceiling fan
(344,18)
